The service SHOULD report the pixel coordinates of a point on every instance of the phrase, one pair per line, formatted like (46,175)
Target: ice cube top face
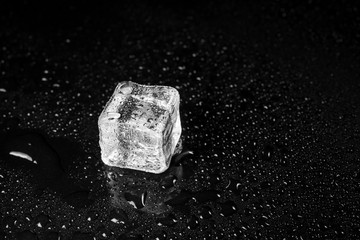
(140,127)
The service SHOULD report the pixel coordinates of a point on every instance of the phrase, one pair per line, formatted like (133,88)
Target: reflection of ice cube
(140,127)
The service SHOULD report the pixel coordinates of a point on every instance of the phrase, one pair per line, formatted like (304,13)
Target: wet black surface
(269,106)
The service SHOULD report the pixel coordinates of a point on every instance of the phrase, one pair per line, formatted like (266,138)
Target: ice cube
(140,127)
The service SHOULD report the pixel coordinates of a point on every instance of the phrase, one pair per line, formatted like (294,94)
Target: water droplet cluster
(266,154)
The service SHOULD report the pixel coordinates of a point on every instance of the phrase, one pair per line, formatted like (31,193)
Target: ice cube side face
(140,127)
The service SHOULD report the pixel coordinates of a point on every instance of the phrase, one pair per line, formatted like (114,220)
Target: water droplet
(192,223)
(204,212)
(244,196)
(8,222)
(259,205)
(262,221)
(267,153)
(234,186)
(206,196)
(22,155)
(168,182)
(42,220)
(228,208)
(160,235)
(339,231)
(92,215)
(118,216)
(214,179)
(265,185)
(104,232)
(136,199)
(126,89)
(247,212)
(245,226)
(169,221)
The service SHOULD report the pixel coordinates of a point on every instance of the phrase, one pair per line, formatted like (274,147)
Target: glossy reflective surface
(269,112)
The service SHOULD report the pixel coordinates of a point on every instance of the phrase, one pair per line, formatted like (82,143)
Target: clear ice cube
(140,127)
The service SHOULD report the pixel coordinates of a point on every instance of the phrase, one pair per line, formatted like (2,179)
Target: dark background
(269,105)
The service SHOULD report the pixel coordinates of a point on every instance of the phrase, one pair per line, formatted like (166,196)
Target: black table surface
(269,109)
